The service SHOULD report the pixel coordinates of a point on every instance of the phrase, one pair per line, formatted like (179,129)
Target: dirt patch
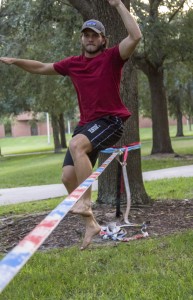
(164,217)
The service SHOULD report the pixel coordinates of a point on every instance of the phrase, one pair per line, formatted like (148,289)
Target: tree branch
(65,3)
(141,62)
(85,7)
(178,9)
(154,4)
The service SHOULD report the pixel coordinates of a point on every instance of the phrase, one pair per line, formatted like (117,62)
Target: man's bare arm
(128,45)
(31,66)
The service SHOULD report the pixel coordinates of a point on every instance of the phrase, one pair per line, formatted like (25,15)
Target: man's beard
(94,51)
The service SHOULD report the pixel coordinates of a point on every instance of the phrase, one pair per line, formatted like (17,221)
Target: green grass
(151,269)
(25,144)
(164,163)
(146,133)
(181,146)
(30,144)
(30,207)
(45,168)
(31,170)
(175,188)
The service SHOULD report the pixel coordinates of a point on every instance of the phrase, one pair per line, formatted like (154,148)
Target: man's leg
(79,147)
(69,179)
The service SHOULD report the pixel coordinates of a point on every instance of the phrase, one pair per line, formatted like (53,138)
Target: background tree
(167,35)
(36,31)
(144,96)
(189,101)
(178,82)
(175,107)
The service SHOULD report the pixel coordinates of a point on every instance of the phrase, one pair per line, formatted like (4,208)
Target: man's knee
(74,146)
(79,145)
(69,178)
(65,179)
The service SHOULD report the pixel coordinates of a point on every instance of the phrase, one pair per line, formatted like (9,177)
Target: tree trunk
(160,124)
(57,145)
(179,124)
(62,131)
(107,192)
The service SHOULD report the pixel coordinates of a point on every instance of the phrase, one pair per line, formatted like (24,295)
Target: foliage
(167,30)
(179,81)
(144,96)
(35,30)
(167,37)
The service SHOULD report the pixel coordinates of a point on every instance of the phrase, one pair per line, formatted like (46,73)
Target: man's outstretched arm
(31,66)
(128,45)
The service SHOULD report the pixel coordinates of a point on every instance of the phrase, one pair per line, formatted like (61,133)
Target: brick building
(25,124)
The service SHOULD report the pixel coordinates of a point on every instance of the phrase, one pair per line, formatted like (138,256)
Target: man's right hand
(7,60)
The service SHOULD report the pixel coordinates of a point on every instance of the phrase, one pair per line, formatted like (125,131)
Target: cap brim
(94,29)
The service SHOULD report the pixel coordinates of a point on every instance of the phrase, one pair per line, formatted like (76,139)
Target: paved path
(25,194)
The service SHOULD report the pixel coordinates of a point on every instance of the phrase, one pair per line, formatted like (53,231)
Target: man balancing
(96,76)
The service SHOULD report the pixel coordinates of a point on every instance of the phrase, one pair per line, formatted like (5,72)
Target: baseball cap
(95,25)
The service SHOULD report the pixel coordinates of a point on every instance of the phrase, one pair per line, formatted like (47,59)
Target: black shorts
(102,133)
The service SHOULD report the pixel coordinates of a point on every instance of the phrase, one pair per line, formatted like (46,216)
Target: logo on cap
(91,23)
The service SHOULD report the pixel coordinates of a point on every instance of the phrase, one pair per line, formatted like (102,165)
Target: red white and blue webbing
(125,149)
(11,264)
(130,147)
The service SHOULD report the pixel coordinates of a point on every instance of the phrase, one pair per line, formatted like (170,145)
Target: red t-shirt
(97,83)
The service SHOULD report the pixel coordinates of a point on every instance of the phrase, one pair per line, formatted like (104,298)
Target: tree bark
(160,124)
(107,192)
(87,8)
(57,144)
(179,124)
(62,131)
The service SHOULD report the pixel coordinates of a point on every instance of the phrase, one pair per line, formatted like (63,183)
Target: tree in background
(179,85)
(36,30)
(144,96)
(167,35)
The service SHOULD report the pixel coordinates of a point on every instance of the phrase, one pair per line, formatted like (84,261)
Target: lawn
(152,269)
(33,144)
(29,170)
(45,168)
(27,144)
(148,269)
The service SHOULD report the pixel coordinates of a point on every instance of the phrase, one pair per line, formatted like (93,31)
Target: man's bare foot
(82,207)
(92,228)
